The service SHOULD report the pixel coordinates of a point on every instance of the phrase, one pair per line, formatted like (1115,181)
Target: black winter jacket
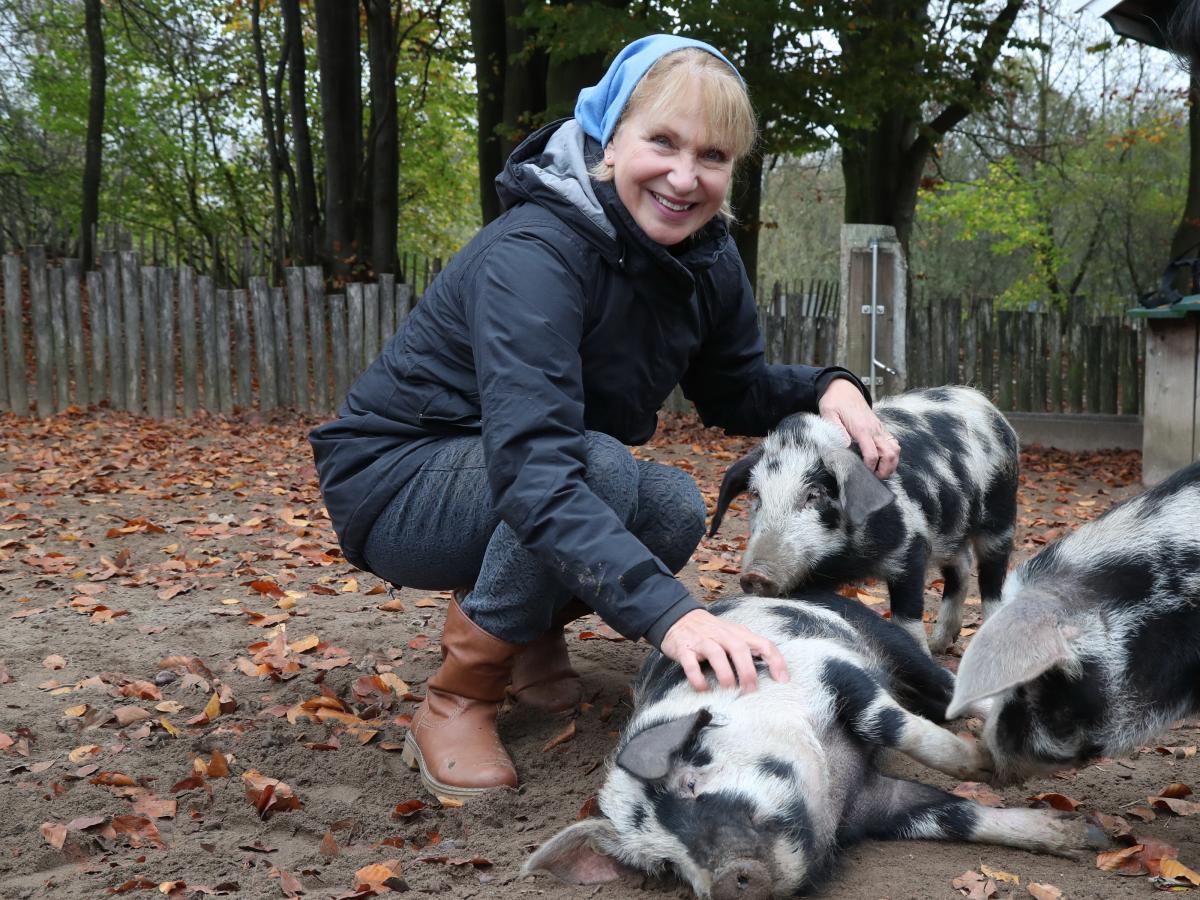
(560,316)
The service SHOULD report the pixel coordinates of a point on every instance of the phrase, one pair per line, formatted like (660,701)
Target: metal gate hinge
(866,309)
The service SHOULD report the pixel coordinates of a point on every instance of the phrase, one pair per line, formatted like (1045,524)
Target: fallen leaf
(154,808)
(54,833)
(561,738)
(328,847)
(1179,873)
(980,793)
(127,715)
(999,875)
(1061,802)
(393,605)
(407,808)
(377,873)
(54,661)
(1044,891)
(75,712)
(1176,791)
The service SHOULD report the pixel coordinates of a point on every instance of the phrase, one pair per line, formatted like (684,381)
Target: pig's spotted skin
(955,489)
(769,786)
(1114,608)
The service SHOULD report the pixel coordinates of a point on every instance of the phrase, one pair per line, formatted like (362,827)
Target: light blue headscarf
(599,107)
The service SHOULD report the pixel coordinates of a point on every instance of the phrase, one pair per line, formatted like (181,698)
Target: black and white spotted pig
(753,795)
(818,515)
(1096,647)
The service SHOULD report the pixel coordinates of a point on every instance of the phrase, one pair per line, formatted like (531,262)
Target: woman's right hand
(728,648)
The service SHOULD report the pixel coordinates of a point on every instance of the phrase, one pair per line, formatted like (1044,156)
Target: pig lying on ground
(819,516)
(753,795)
(1097,646)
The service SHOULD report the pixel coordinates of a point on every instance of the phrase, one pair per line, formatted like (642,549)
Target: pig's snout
(759,584)
(742,879)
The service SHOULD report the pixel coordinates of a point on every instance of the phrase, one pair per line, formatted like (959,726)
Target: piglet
(752,796)
(1096,648)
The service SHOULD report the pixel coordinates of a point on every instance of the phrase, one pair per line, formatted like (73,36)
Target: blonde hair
(729,117)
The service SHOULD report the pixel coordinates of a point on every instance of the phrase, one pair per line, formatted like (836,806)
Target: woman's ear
(609,154)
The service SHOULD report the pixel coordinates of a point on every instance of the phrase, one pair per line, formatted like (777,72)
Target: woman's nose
(683,176)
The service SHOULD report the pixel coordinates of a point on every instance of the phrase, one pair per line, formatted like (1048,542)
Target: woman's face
(670,180)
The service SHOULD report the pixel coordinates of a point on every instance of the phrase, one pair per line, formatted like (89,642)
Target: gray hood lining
(562,168)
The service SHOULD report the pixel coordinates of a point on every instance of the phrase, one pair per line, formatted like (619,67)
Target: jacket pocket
(448,412)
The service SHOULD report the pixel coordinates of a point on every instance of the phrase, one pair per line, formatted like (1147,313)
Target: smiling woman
(485,450)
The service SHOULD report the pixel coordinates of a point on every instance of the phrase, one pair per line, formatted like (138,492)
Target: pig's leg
(896,809)
(954,591)
(907,592)
(872,715)
(992,551)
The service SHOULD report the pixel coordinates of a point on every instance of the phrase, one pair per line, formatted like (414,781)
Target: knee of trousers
(682,506)
(612,474)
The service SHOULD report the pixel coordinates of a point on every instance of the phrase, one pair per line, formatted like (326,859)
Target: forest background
(1022,152)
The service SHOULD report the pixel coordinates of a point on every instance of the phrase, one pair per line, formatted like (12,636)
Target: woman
(484,450)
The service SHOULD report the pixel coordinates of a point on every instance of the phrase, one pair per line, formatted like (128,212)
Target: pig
(819,516)
(1096,648)
(753,795)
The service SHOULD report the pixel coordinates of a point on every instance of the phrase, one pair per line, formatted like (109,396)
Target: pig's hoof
(940,642)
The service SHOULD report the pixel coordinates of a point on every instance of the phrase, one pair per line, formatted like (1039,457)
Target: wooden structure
(1171,420)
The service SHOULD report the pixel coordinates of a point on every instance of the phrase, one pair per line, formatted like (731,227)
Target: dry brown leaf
(1178,807)
(999,875)
(980,793)
(393,605)
(54,661)
(154,808)
(75,712)
(83,751)
(127,715)
(407,808)
(377,873)
(561,738)
(328,847)
(1061,802)
(1176,791)
(426,603)
(1044,891)
(54,833)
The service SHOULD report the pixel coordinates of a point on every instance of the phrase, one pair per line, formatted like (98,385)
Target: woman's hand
(728,648)
(844,405)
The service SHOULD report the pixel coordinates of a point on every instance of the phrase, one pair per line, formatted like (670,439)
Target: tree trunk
(306,218)
(1186,241)
(747,209)
(274,151)
(524,82)
(882,170)
(383,154)
(341,115)
(94,25)
(487,39)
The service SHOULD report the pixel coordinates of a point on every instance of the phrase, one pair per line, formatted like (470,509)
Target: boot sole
(411,757)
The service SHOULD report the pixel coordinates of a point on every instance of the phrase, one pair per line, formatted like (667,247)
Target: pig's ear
(576,854)
(862,492)
(1028,636)
(649,753)
(736,480)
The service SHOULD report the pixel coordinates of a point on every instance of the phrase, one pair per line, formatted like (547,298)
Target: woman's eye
(661,140)
(716,156)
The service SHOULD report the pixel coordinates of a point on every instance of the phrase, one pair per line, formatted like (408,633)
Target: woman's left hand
(844,405)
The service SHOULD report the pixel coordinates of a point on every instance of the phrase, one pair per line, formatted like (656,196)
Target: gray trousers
(441,532)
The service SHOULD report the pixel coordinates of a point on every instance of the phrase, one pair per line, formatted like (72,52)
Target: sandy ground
(144,570)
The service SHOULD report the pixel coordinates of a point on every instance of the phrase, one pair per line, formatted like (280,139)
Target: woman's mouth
(673,205)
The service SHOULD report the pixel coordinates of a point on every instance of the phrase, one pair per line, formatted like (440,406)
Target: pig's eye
(813,496)
(752,496)
(691,786)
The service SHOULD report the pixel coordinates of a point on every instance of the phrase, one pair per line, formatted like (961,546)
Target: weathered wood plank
(1076,360)
(387,308)
(1129,371)
(1108,364)
(404,302)
(1006,338)
(314,291)
(264,342)
(1054,326)
(14,337)
(166,342)
(370,325)
(355,333)
(297,322)
(75,335)
(241,337)
(340,346)
(43,336)
(133,332)
(188,351)
(223,373)
(208,331)
(987,349)
(284,386)
(153,348)
(1094,337)
(115,332)
(98,329)
(58,330)
(1037,362)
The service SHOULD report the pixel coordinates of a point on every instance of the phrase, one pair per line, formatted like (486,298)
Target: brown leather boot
(542,676)
(453,738)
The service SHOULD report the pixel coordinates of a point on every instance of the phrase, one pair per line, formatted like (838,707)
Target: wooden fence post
(166,341)
(74,308)
(98,324)
(1075,359)
(1006,340)
(110,263)
(354,335)
(264,342)
(1108,364)
(14,336)
(241,336)
(339,345)
(58,330)
(296,320)
(43,339)
(404,302)
(208,332)
(1037,363)
(1055,324)
(970,343)
(1129,371)
(133,332)
(987,349)
(953,314)
(314,290)
(284,386)
(153,348)
(387,308)
(370,325)
(1094,363)
(187,341)
(223,375)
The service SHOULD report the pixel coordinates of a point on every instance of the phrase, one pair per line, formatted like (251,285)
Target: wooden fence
(799,322)
(164,341)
